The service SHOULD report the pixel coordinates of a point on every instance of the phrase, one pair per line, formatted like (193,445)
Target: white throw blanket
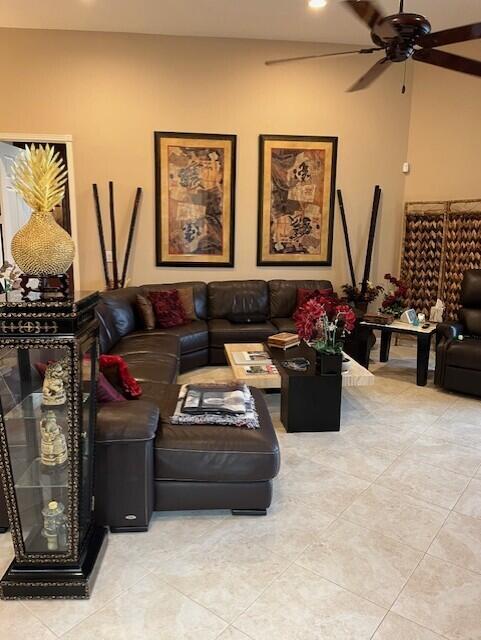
(249,419)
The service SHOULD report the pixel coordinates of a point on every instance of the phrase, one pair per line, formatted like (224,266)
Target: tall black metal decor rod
(113,235)
(100,229)
(130,238)
(370,242)
(346,237)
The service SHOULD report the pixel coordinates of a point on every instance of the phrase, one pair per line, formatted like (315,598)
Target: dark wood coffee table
(310,401)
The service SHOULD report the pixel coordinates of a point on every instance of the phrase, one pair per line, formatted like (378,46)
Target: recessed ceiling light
(317,4)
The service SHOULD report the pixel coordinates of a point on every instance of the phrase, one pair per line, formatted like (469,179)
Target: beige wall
(445,133)
(111,91)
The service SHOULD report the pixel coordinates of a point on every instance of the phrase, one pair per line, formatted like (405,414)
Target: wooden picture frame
(297,182)
(195,199)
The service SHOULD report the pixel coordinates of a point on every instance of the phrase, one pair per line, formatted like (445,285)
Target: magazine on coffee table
(216,401)
(251,357)
(260,370)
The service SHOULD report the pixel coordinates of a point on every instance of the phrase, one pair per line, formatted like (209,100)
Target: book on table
(283,340)
(251,357)
(260,369)
(216,401)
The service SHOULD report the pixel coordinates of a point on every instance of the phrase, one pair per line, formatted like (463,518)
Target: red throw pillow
(168,308)
(303,295)
(117,373)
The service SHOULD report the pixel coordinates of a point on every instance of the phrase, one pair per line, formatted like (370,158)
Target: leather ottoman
(145,464)
(213,467)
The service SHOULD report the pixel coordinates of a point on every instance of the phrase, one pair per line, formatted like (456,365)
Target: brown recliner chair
(458,361)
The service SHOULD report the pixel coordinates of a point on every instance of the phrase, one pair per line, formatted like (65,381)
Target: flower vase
(328,363)
(42,247)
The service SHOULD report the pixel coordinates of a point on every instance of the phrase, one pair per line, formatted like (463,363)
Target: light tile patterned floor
(374,533)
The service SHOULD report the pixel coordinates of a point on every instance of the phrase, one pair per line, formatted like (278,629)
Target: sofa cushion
(285,324)
(212,453)
(283,294)
(147,368)
(222,332)
(465,354)
(240,298)
(119,309)
(186,297)
(157,342)
(117,372)
(193,336)
(471,319)
(199,289)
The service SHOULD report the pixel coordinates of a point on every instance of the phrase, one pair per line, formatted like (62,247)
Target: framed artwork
(297,180)
(195,199)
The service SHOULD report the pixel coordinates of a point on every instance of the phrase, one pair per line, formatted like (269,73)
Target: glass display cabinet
(48,372)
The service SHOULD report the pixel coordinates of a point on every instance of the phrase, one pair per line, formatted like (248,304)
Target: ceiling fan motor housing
(409,27)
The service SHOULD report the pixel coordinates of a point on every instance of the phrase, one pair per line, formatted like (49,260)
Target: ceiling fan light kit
(317,4)
(402,36)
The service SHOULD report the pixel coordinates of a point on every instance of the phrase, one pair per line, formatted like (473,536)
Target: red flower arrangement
(394,302)
(325,321)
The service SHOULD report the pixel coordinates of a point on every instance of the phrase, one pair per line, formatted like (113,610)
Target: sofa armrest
(124,464)
(448,330)
(129,421)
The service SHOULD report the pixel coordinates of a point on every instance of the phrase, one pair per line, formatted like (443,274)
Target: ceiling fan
(403,36)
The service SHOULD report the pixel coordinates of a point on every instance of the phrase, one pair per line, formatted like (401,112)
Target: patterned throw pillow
(168,308)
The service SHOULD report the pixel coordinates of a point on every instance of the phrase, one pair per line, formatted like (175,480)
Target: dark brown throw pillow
(146,312)
(186,297)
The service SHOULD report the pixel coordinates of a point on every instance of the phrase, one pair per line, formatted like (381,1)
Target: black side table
(423,337)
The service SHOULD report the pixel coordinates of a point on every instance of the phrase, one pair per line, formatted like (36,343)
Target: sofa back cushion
(239,300)
(200,294)
(116,314)
(283,294)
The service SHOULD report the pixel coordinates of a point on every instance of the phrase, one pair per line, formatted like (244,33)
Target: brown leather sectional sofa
(145,464)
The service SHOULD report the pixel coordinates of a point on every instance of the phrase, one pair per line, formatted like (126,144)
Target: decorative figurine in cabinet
(48,371)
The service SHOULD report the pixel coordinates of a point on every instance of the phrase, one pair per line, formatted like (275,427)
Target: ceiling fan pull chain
(403,90)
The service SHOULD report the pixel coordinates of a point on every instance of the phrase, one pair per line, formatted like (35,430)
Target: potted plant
(394,302)
(324,323)
(359,299)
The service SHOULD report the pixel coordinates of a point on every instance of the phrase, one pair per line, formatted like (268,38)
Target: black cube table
(311,401)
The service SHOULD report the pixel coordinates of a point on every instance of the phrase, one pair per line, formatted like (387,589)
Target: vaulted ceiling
(270,19)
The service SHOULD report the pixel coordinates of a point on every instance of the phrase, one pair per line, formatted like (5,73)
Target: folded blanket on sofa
(249,419)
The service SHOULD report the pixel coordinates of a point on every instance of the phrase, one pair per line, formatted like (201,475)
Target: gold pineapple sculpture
(41,247)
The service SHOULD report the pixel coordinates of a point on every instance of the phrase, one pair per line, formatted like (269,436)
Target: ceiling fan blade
(369,77)
(372,17)
(451,36)
(321,55)
(449,61)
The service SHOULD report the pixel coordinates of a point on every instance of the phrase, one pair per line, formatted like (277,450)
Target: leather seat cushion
(222,332)
(285,324)
(212,453)
(465,354)
(193,336)
(150,342)
(148,366)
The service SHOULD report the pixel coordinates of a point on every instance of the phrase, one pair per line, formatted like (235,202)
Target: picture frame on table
(297,183)
(195,177)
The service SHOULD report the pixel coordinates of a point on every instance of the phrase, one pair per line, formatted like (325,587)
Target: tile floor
(374,533)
